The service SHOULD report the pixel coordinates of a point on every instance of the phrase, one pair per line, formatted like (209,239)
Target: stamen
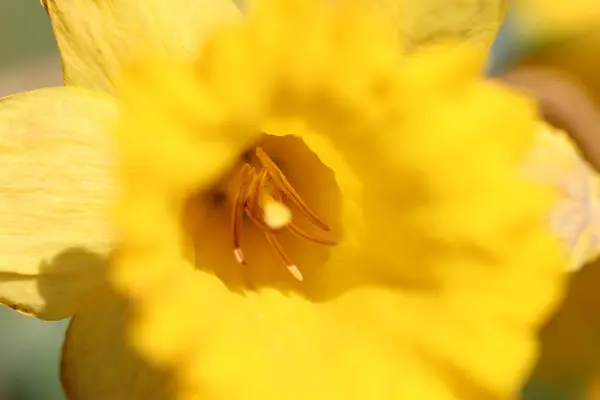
(261,196)
(286,188)
(255,191)
(279,250)
(257,221)
(238,210)
(299,232)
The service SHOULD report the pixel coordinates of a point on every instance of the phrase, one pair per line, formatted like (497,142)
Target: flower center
(271,209)
(262,195)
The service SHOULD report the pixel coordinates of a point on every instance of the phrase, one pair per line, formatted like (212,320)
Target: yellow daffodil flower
(314,108)
(393,244)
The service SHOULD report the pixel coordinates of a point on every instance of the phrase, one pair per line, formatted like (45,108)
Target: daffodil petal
(427,21)
(97,37)
(99,364)
(576,217)
(56,189)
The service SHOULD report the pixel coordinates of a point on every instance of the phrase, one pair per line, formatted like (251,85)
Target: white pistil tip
(239,256)
(296,272)
(276,215)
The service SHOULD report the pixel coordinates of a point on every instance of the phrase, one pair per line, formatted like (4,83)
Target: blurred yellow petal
(97,360)
(56,192)
(429,21)
(97,37)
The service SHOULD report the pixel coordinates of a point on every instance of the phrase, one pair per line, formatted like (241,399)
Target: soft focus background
(30,349)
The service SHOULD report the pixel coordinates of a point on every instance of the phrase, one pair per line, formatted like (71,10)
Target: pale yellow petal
(576,217)
(97,37)
(55,194)
(427,21)
(98,363)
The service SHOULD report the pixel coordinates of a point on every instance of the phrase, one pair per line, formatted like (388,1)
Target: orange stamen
(281,253)
(301,233)
(238,210)
(269,181)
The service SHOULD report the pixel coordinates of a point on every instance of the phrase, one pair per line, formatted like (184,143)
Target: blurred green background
(24,31)
(29,349)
